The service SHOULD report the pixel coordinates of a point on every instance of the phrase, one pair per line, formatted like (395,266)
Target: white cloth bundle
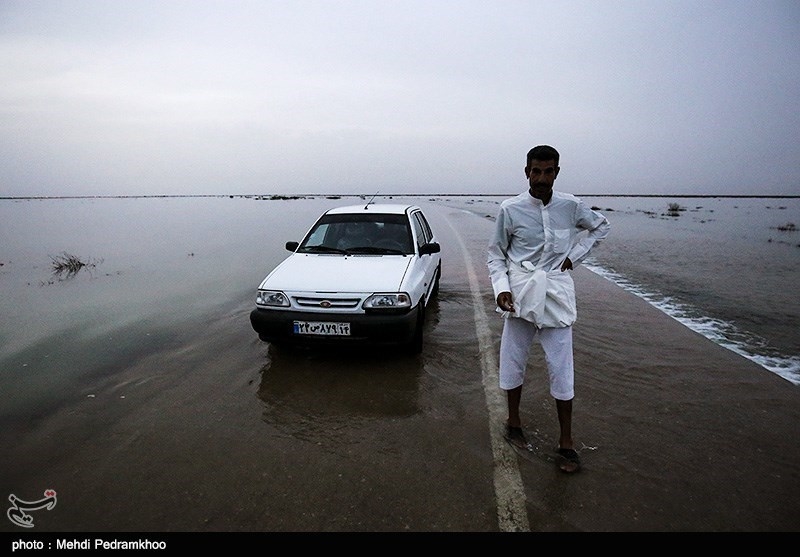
(545,298)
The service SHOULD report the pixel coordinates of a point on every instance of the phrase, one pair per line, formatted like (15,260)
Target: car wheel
(437,276)
(416,341)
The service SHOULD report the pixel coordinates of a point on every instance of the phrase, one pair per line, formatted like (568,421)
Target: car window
(423,231)
(355,234)
(317,236)
(371,233)
(425,226)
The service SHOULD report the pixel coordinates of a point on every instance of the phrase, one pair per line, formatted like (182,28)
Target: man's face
(541,175)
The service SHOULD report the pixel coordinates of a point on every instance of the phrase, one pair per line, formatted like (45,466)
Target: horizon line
(283,196)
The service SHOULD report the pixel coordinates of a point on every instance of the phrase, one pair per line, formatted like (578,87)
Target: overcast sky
(140,97)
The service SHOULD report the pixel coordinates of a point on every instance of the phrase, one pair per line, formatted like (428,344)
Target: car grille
(327,303)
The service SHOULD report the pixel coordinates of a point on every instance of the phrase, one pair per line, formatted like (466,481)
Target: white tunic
(530,242)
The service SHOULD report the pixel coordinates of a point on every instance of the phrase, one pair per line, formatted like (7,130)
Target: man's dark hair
(543,153)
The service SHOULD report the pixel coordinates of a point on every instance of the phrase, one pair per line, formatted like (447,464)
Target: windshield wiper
(321,249)
(375,250)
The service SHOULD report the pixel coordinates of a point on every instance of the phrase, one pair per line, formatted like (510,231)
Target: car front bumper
(273,325)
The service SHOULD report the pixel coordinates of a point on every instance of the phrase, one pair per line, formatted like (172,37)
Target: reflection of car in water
(322,396)
(361,274)
(311,394)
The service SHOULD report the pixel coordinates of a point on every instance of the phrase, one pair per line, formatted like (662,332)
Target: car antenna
(370,201)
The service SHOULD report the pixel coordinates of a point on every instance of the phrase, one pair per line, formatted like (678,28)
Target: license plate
(324,328)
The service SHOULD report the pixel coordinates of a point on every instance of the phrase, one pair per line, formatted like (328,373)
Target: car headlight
(388,300)
(272,298)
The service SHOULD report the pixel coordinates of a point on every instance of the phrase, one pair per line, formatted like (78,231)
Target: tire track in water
(509,490)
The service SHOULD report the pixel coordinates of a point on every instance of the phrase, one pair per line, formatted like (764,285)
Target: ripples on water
(725,334)
(724,267)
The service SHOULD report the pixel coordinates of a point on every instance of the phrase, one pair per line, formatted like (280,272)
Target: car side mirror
(427,249)
(292,246)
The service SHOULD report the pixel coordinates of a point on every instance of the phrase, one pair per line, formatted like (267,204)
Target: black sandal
(516,438)
(569,457)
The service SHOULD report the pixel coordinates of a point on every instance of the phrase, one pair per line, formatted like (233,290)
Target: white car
(363,273)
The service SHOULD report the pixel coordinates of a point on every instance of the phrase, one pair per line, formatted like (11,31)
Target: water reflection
(316,394)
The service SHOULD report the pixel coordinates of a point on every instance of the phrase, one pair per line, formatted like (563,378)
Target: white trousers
(515,346)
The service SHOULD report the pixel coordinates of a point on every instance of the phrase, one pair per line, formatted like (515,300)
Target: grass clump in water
(66,265)
(674,209)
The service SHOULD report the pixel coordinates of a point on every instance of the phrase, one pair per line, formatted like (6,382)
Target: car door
(425,266)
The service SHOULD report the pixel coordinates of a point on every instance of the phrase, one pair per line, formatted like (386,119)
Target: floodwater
(137,390)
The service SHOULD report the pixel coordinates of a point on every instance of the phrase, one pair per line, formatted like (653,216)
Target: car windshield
(381,234)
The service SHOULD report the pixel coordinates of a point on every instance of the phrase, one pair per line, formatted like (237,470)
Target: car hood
(337,273)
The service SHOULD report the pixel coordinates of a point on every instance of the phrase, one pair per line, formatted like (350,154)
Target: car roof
(386,208)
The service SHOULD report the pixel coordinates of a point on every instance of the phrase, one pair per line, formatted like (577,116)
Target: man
(539,236)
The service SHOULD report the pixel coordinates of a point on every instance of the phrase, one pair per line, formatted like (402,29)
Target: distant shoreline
(336,196)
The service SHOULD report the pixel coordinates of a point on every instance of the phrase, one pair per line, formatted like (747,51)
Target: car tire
(437,276)
(415,346)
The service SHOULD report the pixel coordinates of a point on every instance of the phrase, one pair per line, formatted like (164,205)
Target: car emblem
(325,304)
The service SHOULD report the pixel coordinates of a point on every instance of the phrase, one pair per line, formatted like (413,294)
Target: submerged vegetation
(674,209)
(788,227)
(66,265)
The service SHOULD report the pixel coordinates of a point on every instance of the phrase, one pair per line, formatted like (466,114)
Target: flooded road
(212,429)
(173,417)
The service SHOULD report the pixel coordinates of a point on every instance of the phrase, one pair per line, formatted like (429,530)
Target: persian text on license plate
(325,328)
